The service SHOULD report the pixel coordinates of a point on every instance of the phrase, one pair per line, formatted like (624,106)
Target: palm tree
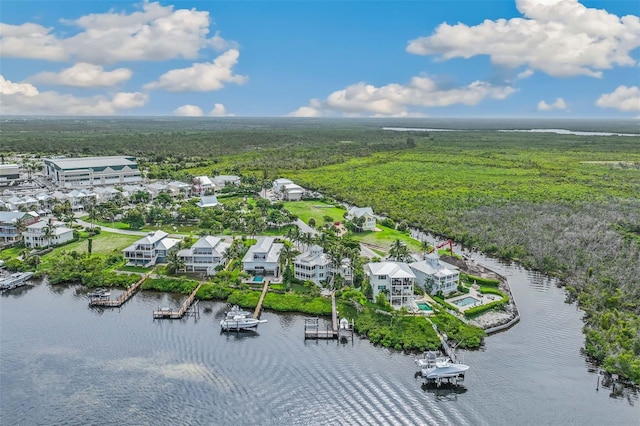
(48,232)
(425,246)
(69,219)
(174,262)
(398,251)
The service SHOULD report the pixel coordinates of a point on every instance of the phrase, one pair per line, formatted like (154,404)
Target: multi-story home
(263,257)
(223,180)
(435,275)
(362,218)
(292,192)
(46,233)
(393,279)
(149,250)
(205,255)
(314,265)
(203,185)
(10,222)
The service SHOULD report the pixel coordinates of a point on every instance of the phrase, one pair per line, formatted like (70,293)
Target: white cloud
(559,37)
(188,111)
(623,98)
(557,104)
(305,111)
(219,111)
(8,88)
(395,99)
(201,77)
(26,99)
(524,74)
(84,75)
(153,33)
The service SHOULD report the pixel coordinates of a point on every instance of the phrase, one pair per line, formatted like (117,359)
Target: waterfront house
(46,233)
(149,250)
(364,215)
(435,275)
(205,255)
(315,265)
(263,258)
(176,188)
(10,222)
(395,280)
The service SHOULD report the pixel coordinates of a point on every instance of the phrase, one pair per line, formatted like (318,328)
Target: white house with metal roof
(205,255)
(369,223)
(435,275)
(36,235)
(203,185)
(394,279)
(263,258)
(221,181)
(90,171)
(315,265)
(150,250)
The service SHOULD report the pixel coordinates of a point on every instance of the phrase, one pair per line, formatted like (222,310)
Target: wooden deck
(116,303)
(256,313)
(171,314)
(312,329)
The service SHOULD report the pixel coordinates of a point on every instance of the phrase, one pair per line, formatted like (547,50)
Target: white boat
(240,322)
(443,368)
(99,293)
(427,360)
(344,324)
(235,311)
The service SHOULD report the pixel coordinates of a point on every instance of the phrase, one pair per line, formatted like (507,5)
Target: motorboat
(427,360)
(240,322)
(444,368)
(99,293)
(344,324)
(235,311)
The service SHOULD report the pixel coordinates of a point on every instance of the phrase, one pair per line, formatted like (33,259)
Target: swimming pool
(423,306)
(466,301)
(258,279)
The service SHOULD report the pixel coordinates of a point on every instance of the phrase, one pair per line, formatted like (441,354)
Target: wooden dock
(312,325)
(184,308)
(116,303)
(15,280)
(256,313)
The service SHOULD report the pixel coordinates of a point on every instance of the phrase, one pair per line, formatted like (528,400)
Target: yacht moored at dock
(237,319)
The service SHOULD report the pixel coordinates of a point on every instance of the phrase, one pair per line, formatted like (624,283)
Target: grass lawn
(103,243)
(10,253)
(385,237)
(306,210)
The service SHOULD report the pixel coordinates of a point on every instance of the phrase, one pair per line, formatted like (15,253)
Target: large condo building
(90,171)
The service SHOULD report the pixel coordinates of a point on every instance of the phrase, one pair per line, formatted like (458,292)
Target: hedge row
(474,312)
(493,282)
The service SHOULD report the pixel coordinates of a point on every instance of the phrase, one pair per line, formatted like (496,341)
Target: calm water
(66,364)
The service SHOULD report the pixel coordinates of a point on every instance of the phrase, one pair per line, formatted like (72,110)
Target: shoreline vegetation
(565,205)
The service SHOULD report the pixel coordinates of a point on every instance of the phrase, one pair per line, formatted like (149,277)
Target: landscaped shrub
(472,279)
(475,311)
(467,336)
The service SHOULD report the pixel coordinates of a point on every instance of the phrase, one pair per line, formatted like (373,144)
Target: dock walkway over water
(312,325)
(189,303)
(256,313)
(116,303)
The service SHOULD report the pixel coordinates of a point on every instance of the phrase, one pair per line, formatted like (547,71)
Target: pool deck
(482,299)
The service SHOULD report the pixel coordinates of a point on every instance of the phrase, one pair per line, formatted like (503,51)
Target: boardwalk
(256,313)
(171,314)
(116,303)
(312,325)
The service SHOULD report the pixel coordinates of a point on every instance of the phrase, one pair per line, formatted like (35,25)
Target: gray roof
(428,268)
(208,201)
(391,269)
(152,238)
(360,211)
(266,245)
(11,217)
(87,162)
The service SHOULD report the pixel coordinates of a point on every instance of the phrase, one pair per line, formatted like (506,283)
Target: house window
(382,277)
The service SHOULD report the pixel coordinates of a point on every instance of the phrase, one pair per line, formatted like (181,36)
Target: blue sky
(516,58)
